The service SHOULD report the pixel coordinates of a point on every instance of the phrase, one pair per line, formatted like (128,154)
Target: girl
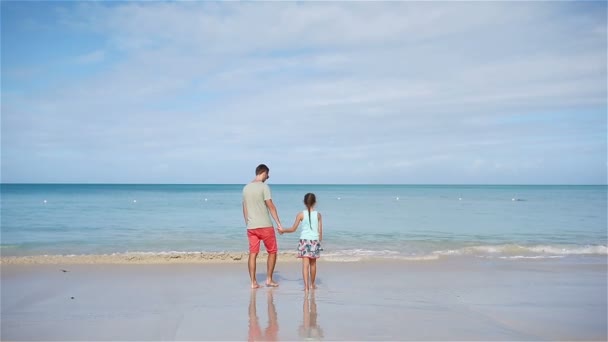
(309,248)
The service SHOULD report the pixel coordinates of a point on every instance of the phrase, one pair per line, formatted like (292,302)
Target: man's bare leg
(272,261)
(252,264)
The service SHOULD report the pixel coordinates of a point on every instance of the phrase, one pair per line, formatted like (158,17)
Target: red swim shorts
(264,234)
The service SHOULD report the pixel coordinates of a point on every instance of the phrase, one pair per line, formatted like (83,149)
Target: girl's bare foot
(272,284)
(313,287)
(255,285)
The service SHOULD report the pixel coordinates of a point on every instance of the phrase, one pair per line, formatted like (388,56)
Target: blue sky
(322,92)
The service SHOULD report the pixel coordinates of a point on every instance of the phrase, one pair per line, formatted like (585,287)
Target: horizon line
(379,184)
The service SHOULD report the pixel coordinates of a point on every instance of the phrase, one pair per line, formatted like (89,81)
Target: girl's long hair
(310,200)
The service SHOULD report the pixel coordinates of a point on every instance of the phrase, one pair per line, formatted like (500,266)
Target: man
(257,203)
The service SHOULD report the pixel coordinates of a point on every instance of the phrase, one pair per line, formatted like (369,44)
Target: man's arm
(245,212)
(273,212)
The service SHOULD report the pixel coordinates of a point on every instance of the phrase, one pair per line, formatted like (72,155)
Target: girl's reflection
(310,329)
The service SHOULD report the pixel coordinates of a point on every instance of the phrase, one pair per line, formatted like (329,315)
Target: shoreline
(152,258)
(142,258)
(509,251)
(184,258)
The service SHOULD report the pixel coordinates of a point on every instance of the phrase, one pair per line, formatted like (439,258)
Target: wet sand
(451,299)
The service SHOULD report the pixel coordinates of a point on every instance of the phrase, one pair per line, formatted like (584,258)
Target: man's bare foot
(271,284)
(255,285)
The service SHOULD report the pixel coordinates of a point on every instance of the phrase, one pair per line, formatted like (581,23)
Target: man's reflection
(310,329)
(272,330)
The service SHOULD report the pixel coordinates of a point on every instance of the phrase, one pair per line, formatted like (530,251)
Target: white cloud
(405,86)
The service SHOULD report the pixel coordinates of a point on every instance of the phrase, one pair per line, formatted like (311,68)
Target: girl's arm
(293,228)
(320,227)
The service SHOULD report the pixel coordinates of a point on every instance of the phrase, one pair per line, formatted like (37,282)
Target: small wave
(506,251)
(599,250)
(8,246)
(353,255)
(533,257)
(362,252)
(511,250)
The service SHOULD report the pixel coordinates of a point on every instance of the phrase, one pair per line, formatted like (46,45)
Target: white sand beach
(447,299)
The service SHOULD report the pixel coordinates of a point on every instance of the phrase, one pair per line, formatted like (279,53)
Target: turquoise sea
(360,221)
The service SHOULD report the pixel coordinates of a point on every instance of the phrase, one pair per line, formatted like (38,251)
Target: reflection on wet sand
(272,329)
(310,329)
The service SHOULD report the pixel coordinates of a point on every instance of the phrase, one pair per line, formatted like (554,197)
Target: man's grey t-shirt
(254,195)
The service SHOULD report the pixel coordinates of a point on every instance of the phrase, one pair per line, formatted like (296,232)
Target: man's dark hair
(261,169)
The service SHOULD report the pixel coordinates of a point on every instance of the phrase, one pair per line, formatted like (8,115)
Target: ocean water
(360,221)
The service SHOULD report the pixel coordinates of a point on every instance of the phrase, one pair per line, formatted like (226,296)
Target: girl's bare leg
(305,272)
(313,273)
